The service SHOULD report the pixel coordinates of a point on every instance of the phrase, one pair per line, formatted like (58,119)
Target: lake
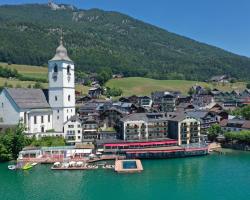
(216,177)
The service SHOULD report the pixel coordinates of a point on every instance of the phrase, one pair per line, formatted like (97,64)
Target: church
(44,112)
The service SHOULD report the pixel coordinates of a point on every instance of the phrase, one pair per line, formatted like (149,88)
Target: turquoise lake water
(217,177)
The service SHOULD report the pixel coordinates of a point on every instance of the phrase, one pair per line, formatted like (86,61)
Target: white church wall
(9,112)
(36,127)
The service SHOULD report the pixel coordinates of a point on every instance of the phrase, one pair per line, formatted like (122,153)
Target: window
(48,118)
(1,119)
(57,117)
(55,98)
(68,97)
(57,111)
(35,120)
(55,68)
(68,69)
(79,131)
(2,105)
(42,119)
(25,118)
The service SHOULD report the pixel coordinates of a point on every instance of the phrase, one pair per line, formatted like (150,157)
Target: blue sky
(223,23)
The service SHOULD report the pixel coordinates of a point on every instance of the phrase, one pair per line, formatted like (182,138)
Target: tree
(12,142)
(4,154)
(38,85)
(104,75)
(242,137)
(48,141)
(214,131)
(243,112)
(19,141)
(113,92)
(191,91)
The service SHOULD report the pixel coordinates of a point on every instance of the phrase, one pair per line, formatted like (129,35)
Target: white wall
(73,129)
(37,128)
(9,112)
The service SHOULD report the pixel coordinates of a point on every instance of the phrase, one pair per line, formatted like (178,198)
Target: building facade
(184,128)
(144,126)
(73,130)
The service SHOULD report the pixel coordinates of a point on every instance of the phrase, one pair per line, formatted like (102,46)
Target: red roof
(167,151)
(141,143)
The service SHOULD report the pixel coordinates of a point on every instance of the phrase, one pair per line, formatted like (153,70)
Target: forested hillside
(98,39)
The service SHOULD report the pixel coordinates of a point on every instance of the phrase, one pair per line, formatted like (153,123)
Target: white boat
(56,164)
(79,164)
(12,167)
(34,164)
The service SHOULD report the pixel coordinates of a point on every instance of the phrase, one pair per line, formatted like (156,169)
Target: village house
(235,124)
(164,101)
(90,130)
(145,102)
(220,79)
(144,126)
(111,117)
(183,128)
(206,119)
(95,92)
(73,130)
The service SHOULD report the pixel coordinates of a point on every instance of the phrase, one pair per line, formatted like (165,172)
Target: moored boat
(34,164)
(12,167)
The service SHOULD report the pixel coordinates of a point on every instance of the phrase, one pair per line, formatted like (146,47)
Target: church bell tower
(61,87)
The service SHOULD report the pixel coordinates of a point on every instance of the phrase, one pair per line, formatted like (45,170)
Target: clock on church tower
(61,87)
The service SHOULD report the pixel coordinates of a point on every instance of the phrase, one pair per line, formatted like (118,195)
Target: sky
(222,23)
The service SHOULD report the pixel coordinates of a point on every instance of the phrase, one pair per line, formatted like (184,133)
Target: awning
(83,151)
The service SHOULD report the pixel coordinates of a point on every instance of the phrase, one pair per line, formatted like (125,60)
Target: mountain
(99,39)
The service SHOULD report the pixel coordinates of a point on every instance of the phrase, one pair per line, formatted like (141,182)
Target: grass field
(130,86)
(29,71)
(25,84)
(144,86)
(35,72)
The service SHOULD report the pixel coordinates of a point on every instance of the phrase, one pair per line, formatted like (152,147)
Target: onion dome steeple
(61,52)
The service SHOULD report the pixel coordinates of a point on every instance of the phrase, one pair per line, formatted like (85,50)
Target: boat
(27,166)
(34,164)
(12,167)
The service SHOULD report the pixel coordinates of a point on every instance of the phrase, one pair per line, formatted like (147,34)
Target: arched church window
(68,97)
(68,69)
(55,68)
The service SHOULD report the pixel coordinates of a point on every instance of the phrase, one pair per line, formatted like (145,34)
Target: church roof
(26,98)
(61,53)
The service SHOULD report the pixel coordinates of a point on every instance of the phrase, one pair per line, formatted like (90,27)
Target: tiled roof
(26,98)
